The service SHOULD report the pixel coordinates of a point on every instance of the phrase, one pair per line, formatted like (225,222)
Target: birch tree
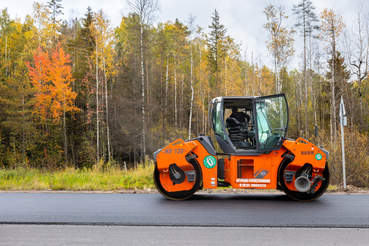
(357,49)
(43,24)
(280,43)
(104,60)
(146,10)
(191,28)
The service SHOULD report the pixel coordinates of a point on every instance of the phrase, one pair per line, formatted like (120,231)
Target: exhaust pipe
(302,183)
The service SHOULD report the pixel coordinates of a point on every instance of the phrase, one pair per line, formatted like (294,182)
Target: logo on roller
(318,157)
(210,161)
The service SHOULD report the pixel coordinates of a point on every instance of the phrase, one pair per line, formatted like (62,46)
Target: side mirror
(302,134)
(317,135)
(316,131)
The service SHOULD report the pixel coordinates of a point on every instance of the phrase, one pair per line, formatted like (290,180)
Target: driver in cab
(240,116)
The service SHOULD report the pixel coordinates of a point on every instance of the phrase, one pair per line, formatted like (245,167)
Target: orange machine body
(241,171)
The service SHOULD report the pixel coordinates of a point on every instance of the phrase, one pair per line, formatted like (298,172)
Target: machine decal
(318,157)
(267,181)
(175,151)
(307,152)
(253,185)
(210,161)
(261,174)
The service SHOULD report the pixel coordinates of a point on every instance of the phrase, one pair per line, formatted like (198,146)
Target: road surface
(329,211)
(205,219)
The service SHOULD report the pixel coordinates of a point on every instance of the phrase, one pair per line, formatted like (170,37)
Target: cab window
(272,120)
(217,120)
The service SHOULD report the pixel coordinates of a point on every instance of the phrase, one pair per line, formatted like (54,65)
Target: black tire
(302,196)
(179,195)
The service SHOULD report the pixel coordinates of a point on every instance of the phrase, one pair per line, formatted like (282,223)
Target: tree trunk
(97,108)
(225,75)
(175,97)
(147,93)
(361,107)
(305,80)
(297,106)
(6,55)
(182,104)
(162,111)
(203,93)
(134,113)
(253,74)
(333,122)
(143,158)
(23,131)
(107,111)
(275,73)
(65,134)
(166,91)
(189,123)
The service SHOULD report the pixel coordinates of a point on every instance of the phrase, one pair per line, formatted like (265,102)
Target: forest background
(80,94)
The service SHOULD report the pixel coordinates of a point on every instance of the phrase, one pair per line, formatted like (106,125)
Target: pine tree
(342,75)
(215,43)
(55,10)
(306,19)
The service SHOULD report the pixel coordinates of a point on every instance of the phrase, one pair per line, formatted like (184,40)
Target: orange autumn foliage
(51,77)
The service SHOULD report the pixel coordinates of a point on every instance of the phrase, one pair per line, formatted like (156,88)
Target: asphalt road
(202,210)
(70,235)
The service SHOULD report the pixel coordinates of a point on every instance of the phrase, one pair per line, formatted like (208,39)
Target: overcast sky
(243,19)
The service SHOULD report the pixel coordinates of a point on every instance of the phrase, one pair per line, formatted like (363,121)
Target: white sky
(243,19)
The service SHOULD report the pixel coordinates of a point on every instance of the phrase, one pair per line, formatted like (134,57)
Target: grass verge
(112,179)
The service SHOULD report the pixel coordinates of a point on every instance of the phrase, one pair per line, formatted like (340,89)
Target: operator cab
(249,125)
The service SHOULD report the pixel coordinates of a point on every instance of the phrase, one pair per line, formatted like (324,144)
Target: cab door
(216,120)
(272,122)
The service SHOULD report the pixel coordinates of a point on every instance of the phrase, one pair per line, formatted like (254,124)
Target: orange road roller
(255,153)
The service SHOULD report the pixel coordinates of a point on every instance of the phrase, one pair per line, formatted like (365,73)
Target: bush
(356,157)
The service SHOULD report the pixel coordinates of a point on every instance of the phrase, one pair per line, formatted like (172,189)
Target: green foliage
(215,44)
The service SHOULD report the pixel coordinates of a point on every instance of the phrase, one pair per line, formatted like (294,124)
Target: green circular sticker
(210,161)
(318,157)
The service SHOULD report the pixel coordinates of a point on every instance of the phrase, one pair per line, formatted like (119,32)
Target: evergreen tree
(215,43)
(306,22)
(341,87)
(55,10)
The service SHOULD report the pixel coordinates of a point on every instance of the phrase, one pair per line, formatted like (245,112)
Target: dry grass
(110,179)
(357,158)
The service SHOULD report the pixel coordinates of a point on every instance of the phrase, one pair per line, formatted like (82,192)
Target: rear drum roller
(302,196)
(179,195)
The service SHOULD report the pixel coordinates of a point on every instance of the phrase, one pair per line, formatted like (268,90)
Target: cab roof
(237,101)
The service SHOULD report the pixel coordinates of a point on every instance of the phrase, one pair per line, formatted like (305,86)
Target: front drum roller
(179,195)
(302,196)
